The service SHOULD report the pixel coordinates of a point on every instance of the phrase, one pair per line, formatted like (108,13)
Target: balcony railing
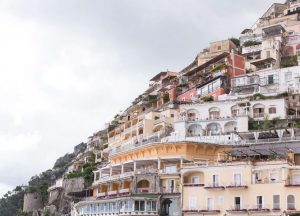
(258,208)
(124,191)
(214,185)
(112,193)
(103,194)
(160,120)
(143,190)
(259,115)
(236,185)
(292,183)
(237,208)
(147,171)
(170,190)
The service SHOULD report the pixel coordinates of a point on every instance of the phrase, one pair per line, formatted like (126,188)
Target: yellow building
(241,187)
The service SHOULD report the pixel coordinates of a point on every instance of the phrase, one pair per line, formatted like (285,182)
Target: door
(237,179)
(210,204)
(237,203)
(171,186)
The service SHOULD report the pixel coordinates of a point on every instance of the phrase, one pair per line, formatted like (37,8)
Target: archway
(230,127)
(214,113)
(194,130)
(214,129)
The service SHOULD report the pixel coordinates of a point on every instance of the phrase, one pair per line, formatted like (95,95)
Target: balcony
(258,208)
(101,195)
(237,209)
(143,190)
(147,171)
(292,183)
(124,191)
(169,172)
(252,49)
(193,185)
(214,186)
(170,190)
(160,120)
(209,211)
(236,186)
(112,193)
(259,115)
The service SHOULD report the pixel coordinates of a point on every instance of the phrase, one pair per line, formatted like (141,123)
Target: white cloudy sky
(67,66)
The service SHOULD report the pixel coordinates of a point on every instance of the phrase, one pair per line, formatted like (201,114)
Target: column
(134,166)
(110,171)
(181,162)
(122,168)
(158,164)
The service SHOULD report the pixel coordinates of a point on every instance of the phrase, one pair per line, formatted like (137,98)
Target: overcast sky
(68,66)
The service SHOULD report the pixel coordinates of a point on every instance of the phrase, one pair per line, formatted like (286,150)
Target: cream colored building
(241,188)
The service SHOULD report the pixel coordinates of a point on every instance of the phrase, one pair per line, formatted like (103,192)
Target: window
(151,206)
(288,76)
(273,177)
(170,169)
(270,79)
(257,177)
(290,202)
(195,179)
(237,179)
(272,110)
(296,179)
(219,47)
(259,202)
(139,205)
(276,202)
(215,180)
(210,204)
(172,115)
(171,185)
(192,203)
(237,203)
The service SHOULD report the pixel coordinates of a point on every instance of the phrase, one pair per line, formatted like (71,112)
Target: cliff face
(34,198)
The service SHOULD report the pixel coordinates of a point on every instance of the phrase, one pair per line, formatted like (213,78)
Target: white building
(220,121)
(267,82)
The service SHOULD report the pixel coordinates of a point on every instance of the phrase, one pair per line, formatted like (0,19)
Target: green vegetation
(207,98)
(166,98)
(218,67)
(289,61)
(250,43)
(86,173)
(236,41)
(259,96)
(114,123)
(12,202)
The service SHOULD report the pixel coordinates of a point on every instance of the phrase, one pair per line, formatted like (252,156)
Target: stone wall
(73,185)
(153,179)
(32,202)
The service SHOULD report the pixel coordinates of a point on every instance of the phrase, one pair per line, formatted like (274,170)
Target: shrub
(207,98)
(289,61)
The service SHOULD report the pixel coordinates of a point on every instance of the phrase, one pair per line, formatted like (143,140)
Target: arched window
(290,202)
(214,113)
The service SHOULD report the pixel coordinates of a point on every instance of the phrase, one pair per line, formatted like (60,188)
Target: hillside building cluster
(219,137)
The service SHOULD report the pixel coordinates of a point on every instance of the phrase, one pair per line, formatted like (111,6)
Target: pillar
(134,166)
(158,164)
